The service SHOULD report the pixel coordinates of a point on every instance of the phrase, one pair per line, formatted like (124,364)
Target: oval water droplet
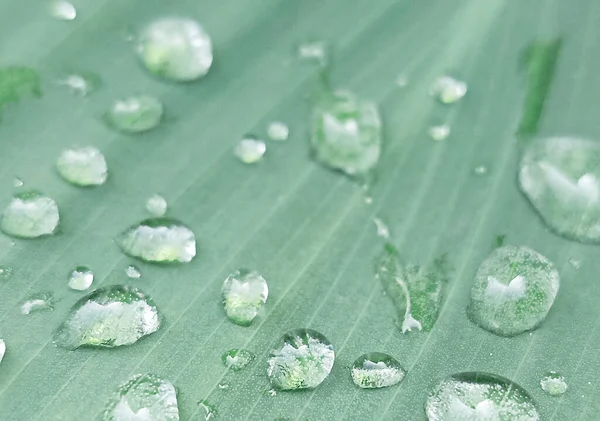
(439,133)
(176,48)
(480,397)
(514,290)
(38,302)
(63,10)
(315,50)
(278,131)
(244,293)
(448,90)
(81,84)
(554,384)
(81,278)
(237,359)
(135,114)
(145,397)
(2,349)
(302,360)
(162,240)
(480,170)
(133,272)
(156,205)
(30,215)
(5,272)
(250,150)
(82,166)
(108,317)
(375,370)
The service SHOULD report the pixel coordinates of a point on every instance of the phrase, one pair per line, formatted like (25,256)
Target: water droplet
(271,392)
(145,397)
(63,10)
(161,240)
(382,229)
(81,278)
(278,131)
(480,397)
(175,48)
(209,410)
(135,114)
(82,166)
(316,51)
(82,84)
(237,359)
(5,272)
(38,302)
(133,272)
(402,81)
(108,317)
(17,82)
(30,215)
(561,179)
(346,133)
(244,293)
(156,205)
(576,264)
(448,90)
(250,150)
(17,182)
(224,385)
(554,384)
(302,360)
(2,349)
(513,292)
(439,133)
(480,170)
(368,200)
(376,370)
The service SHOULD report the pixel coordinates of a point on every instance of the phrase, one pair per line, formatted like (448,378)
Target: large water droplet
(135,114)
(161,240)
(480,397)
(208,410)
(82,166)
(81,278)
(448,90)
(30,215)
(278,131)
(156,205)
(5,272)
(133,272)
(63,10)
(250,150)
(346,133)
(109,317)
(375,370)
(561,178)
(38,302)
(176,48)
(513,292)
(237,359)
(554,384)
(302,360)
(145,397)
(2,349)
(244,293)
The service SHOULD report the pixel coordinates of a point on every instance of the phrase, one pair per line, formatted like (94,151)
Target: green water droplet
(439,133)
(278,131)
(561,178)
(237,359)
(133,272)
(81,278)
(81,84)
(375,370)
(554,384)
(176,48)
(513,292)
(162,240)
(82,166)
(244,293)
(38,302)
(5,272)
(250,150)
(17,82)
(156,205)
(2,349)
(480,397)
(135,114)
(63,10)
(448,90)
(108,317)
(302,360)
(30,215)
(209,411)
(145,397)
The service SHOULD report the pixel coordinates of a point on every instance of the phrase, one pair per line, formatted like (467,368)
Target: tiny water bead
(81,278)
(63,10)
(514,290)
(82,166)
(278,131)
(156,205)
(250,150)
(237,359)
(439,133)
(135,114)
(30,215)
(480,397)
(5,272)
(448,90)
(133,272)
(108,317)
(145,397)
(178,49)
(316,51)
(401,81)
(2,349)
(561,178)
(554,384)
(382,229)
(303,360)
(81,84)
(161,240)
(38,302)
(375,370)
(17,182)
(480,170)
(244,293)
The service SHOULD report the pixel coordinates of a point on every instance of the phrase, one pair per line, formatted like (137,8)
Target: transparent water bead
(439,133)
(244,293)
(2,349)
(554,384)
(382,229)
(480,397)
(5,272)
(561,178)
(82,84)
(250,150)
(17,182)
(316,51)
(237,359)
(135,114)
(30,215)
(448,90)
(514,289)
(178,49)
(375,370)
(162,240)
(133,272)
(145,397)
(82,166)
(278,131)
(156,205)
(108,317)
(38,302)
(81,278)
(303,360)
(63,10)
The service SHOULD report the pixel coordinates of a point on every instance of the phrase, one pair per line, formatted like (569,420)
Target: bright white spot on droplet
(250,150)
(480,170)
(63,10)
(588,186)
(278,131)
(156,205)
(38,302)
(515,289)
(313,51)
(368,200)
(448,90)
(382,229)
(2,349)
(133,272)
(439,132)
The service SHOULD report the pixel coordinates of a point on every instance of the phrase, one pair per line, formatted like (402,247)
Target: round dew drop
(250,150)
(244,293)
(81,278)
(278,131)
(156,205)
(554,384)
(135,114)
(82,166)
(376,370)
(237,359)
(30,215)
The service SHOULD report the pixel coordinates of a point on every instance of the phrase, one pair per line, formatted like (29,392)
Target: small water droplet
(82,166)
(135,114)
(448,90)
(162,240)
(575,263)
(554,384)
(250,150)
(439,133)
(5,272)
(82,84)
(270,392)
(314,51)
(209,410)
(382,229)
(38,302)
(17,182)
(514,290)
(237,359)
(302,360)
(108,317)
(2,349)
(224,385)
(278,131)
(63,10)
(133,272)
(402,81)
(30,215)
(175,48)
(375,370)
(81,278)
(156,205)
(244,293)
(368,200)
(145,397)
(480,170)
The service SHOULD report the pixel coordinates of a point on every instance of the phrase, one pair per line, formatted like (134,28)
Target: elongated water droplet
(63,10)
(145,397)
(554,384)
(108,317)
(561,178)
(135,114)
(237,359)
(382,229)
(448,90)
(278,131)
(513,292)
(302,360)
(176,48)
(133,272)
(250,150)
(82,84)
(244,293)
(375,370)
(208,410)
(5,272)
(38,302)
(82,166)
(81,278)
(439,133)
(162,240)
(316,51)
(2,349)
(30,215)
(480,397)
(156,205)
